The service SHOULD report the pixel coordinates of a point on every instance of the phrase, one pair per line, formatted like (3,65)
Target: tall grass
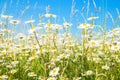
(56,54)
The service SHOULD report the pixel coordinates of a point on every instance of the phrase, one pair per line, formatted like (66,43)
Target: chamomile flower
(52,78)
(41,78)
(66,56)
(85,26)
(48,25)
(3,77)
(15,62)
(1,61)
(63,78)
(96,59)
(54,72)
(4,52)
(12,64)
(55,59)
(78,78)
(15,22)
(53,49)
(105,67)
(32,29)
(92,18)
(93,43)
(56,27)
(34,56)
(89,72)
(66,24)
(52,64)
(20,36)
(78,54)
(115,48)
(31,74)
(50,15)
(6,16)
(13,71)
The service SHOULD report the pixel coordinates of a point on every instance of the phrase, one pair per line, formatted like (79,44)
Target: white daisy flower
(32,74)
(6,16)
(50,15)
(105,67)
(85,26)
(52,78)
(14,22)
(92,18)
(89,72)
(54,72)
(4,77)
(66,24)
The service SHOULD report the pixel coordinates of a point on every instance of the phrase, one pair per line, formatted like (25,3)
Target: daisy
(54,72)
(93,43)
(32,74)
(20,36)
(6,16)
(32,29)
(4,52)
(63,78)
(64,56)
(78,54)
(15,22)
(53,49)
(89,72)
(48,25)
(96,59)
(41,78)
(78,78)
(12,65)
(52,64)
(105,67)
(6,30)
(34,56)
(56,27)
(13,71)
(54,59)
(115,48)
(15,62)
(50,15)
(51,78)
(4,77)
(92,18)
(66,24)
(1,61)
(85,26)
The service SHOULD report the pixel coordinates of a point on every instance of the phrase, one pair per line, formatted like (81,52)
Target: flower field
(50,51)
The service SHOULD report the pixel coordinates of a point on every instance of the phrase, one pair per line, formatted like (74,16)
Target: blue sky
(62,8)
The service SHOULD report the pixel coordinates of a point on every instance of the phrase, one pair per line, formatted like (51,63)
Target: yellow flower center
(93,43)
(54,71)
(33,27)
(64,55)
(48,25)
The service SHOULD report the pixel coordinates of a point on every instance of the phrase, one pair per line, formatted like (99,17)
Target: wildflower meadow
(49,50)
